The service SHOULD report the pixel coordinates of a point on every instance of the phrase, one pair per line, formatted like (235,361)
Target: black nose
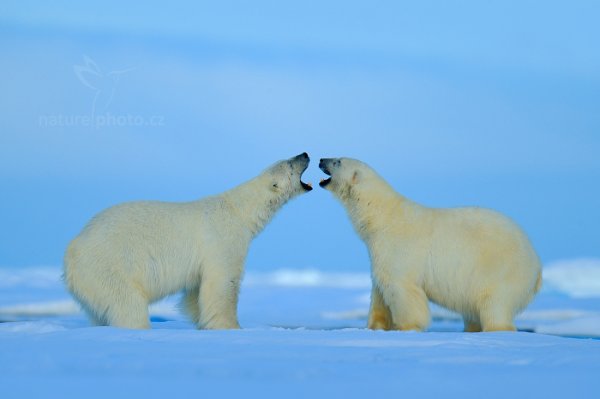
(304,155)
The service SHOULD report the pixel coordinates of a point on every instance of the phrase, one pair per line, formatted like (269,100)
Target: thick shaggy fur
(135,253)
(474,261)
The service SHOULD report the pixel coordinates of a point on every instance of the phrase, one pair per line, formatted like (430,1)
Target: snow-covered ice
(303,336)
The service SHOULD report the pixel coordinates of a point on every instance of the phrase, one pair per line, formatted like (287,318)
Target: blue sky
(455,104)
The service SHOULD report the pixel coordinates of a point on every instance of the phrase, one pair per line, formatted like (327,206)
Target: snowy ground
(303,336)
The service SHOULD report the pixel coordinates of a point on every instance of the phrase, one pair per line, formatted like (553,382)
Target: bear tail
(538,283)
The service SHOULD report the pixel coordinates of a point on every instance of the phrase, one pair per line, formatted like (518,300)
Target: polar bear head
(348,178)
(285,177)
(258,199)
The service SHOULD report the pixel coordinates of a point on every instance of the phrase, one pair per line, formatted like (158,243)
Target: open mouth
(305,186)
(324,182)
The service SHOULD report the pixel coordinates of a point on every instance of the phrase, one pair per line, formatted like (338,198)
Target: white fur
(135,253)
(474,261)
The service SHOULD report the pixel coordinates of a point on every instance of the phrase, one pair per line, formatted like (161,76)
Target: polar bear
(474,261)
(135,253)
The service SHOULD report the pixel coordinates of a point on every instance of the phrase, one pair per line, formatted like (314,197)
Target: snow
(303,336)
(310,278)
(578,278)
(581,326)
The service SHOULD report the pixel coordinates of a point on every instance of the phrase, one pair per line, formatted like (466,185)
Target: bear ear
(355,177)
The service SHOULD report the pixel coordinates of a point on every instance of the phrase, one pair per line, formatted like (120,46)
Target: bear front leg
(408,304)
(190,304)
(472,325)
(380,317)
(217,300)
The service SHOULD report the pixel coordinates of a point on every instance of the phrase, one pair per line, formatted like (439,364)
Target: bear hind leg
(125,308)
(92,313)
(129,312)
(497,315)
(123,305)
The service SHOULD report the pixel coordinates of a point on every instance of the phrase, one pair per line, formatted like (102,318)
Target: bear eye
(275,185)
(337,162)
